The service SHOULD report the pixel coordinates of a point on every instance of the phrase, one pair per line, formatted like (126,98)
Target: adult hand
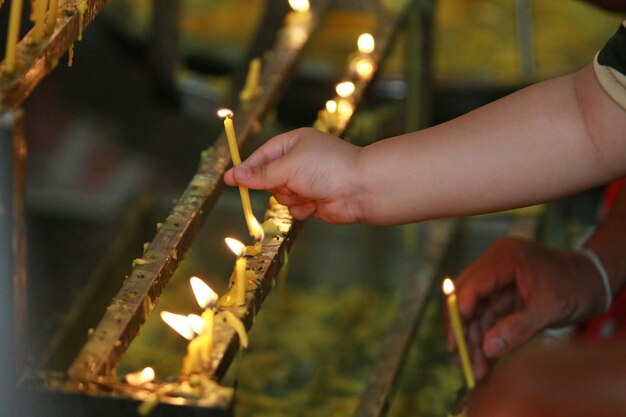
(311,172)
(518,288)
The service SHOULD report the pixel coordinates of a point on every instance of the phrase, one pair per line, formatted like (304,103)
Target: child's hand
(518,288)
(313,173)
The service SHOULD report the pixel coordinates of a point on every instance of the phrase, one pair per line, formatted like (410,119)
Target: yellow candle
(70,55)
(239,249)
(40,17)
(52,15)
(252,89)
(82,8)
(227,115)
(207,336)
(455,322)
(12,35)
(193,360)
(240,281)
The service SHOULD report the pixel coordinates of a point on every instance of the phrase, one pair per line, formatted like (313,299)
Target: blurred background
(112,142)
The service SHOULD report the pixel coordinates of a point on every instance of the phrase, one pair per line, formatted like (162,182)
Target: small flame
(141,377)
(196,322)
(366,43)
(300,5)
(257,229)
(345,89)
(179,323)
(236,246)
(205,296)
(331,106)
(448,286)
(225,113)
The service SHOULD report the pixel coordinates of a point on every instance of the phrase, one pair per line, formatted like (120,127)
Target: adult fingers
(511,332)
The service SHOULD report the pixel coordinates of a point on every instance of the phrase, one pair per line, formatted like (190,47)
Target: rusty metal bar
(36,60)
(374,398)
(14,319)
(138,295)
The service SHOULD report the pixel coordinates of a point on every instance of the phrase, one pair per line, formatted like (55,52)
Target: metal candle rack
(92,372)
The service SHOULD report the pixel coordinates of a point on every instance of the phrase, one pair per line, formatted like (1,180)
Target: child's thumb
(261,177)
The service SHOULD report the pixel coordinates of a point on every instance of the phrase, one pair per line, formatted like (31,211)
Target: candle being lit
(227,115)
(455,322)
(140,377)
(15,18)
(238,249)
(366,43)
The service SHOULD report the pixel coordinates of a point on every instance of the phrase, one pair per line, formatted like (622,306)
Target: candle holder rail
(93,370)
(35,60)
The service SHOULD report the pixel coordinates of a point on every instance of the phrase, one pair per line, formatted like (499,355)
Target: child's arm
(545,141)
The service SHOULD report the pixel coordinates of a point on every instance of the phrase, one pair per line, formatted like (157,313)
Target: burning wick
(227,115)
(239,249)
(455,321)
(140,377)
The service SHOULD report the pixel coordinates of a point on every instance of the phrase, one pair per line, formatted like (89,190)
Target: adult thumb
(510,332)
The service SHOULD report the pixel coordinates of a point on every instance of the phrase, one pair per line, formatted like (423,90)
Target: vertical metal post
(418,67)
(13,294)
(163,48)
(418,62)
(524,18)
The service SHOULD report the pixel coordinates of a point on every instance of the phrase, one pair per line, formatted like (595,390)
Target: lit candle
(238,249)
(455,322)
(193,359)
(206,299)
(301,11)
(13,32)
(227,115)
(345,89)
(140,377)
(259,235)
(52,15)
(40,17)
(366,43)
(252,89)
(364,68)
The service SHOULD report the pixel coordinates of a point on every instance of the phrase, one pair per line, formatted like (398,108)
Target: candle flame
(300,5)
(225,113)
(196,322)
(205,296)
(141,377)
(345,89)
(331,106)
(179,323)
(257,230)
(448,286)
(366,43)
(236,246)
